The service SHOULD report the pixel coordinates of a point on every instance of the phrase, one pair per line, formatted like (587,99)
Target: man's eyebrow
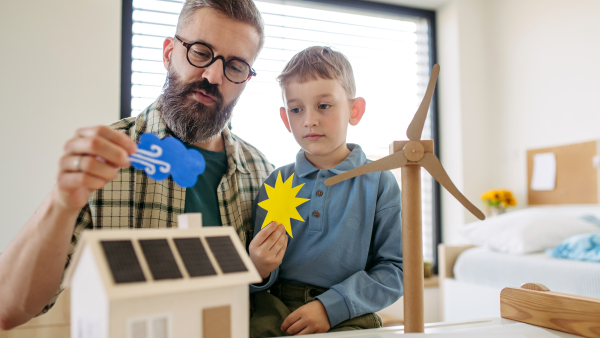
(213,48)
(203,42)
(239,58)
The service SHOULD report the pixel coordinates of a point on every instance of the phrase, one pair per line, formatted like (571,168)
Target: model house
(160,283)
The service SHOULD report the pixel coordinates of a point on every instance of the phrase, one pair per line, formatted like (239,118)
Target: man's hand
(91,159)
(309,318)
(268,247)
(32,265)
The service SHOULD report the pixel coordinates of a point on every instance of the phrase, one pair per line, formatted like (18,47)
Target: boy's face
(317,113)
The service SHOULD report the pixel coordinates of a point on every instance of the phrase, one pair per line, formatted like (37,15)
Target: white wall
(60,70)
(545,62)
(466,130)
(515,75)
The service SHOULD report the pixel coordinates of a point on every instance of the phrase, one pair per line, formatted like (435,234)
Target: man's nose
(214,72)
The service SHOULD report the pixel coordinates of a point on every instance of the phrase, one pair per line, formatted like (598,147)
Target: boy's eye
(295,110)
(324,106)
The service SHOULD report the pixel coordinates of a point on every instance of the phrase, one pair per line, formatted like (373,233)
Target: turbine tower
(411,156)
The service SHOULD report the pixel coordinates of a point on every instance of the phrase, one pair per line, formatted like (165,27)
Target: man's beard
(192,121)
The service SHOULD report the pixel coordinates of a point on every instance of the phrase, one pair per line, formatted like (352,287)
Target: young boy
(345,261)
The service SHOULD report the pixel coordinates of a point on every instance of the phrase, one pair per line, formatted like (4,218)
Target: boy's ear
(284,118)
(358,110)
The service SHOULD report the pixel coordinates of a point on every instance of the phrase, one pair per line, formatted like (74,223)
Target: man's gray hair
(244,11)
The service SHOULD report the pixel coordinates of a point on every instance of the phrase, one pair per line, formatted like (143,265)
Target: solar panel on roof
(194,257)
(123,262)
(160,259)
(226,254)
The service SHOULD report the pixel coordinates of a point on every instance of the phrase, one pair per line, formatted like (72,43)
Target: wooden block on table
(554,310)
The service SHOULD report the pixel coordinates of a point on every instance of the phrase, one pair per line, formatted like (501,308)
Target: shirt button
(316,214)
(312,293)
(319,193)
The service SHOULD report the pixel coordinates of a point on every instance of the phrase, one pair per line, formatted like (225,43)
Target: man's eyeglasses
(201,56)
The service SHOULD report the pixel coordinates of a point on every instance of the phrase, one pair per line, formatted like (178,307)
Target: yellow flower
(498,196)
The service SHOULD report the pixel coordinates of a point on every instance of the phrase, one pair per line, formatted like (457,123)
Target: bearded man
(209,62)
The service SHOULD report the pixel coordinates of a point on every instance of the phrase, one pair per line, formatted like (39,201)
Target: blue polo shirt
(350,242)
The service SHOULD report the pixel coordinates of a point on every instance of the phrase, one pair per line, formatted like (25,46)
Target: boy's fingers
(281,251)
(276,239)
(296,327)
(306,330)
(291,319)
(265,233)
(273,237)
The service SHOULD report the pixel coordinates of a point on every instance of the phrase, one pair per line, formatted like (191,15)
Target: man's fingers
(265,233)
(75,180)
(111,135)
(98,146)
(89,165)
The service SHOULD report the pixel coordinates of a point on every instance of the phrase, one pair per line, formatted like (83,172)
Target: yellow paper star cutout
(282,203)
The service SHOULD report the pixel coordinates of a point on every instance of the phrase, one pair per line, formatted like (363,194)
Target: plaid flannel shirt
(133,200)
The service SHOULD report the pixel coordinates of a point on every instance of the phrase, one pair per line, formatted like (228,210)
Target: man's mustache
(210,89)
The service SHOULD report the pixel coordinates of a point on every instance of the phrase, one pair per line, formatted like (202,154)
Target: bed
(510,250)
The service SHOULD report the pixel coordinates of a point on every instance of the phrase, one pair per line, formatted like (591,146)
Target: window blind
(389,54)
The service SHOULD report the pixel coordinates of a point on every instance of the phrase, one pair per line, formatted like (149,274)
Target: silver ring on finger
(77,163)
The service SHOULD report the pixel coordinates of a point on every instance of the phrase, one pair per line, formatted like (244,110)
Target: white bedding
(482,266)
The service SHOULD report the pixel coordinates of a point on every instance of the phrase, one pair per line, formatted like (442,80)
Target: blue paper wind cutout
(159,158)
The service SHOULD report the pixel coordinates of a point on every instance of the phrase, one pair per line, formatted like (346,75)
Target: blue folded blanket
(584,247)
(591,219)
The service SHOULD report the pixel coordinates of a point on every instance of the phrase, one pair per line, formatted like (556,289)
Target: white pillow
(526,231)
(576,210)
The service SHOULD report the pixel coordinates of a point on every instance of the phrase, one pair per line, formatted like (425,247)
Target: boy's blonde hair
(319,62)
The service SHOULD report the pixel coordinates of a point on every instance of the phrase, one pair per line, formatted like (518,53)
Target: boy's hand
(309,318)
(267,248)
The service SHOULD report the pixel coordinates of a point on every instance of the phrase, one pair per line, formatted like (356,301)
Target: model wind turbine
(411,156)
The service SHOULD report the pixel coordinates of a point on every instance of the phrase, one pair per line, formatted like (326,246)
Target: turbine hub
(413,151)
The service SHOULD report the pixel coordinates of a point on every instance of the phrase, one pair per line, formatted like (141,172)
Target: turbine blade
(393,161)
(415,129)
(435,168)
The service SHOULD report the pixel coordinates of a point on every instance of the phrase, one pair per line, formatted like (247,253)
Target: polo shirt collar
(355,159)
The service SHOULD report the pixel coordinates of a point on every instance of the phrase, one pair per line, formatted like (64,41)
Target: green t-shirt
(202,197)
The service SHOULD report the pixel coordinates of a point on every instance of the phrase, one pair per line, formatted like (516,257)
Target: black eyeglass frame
(251,71)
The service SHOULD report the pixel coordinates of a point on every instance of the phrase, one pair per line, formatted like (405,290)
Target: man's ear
(358,110)
(284,118)
(168,46)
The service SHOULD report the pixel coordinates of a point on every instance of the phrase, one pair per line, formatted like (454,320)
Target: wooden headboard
(577,175)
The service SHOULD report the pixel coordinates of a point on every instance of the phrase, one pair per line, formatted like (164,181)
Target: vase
(496,210)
